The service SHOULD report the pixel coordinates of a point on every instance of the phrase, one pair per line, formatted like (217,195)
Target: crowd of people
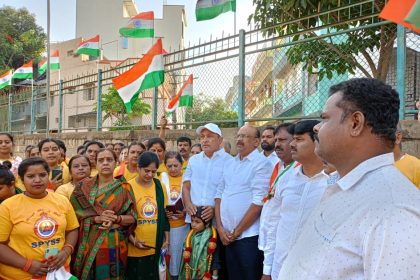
(334,198)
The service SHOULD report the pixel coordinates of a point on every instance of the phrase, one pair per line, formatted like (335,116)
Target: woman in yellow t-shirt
(38,229)
(152,232)
(157,146)
(79,169)
(49,150)
(179,230)
(128,171)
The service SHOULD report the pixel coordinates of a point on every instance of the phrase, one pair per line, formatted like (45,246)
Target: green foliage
(208,109)
(326,55)
(113,107)
(21,39)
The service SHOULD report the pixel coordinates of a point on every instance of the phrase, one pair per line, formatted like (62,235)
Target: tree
(114,108)
(208,109)
(21,39)
(323,56)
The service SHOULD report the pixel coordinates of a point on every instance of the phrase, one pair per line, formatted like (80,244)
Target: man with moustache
(183,144)
(297,193)
(269,215)
(367,225)
(268,143)
(239,203)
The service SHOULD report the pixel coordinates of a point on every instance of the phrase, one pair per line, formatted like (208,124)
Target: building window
(89,92)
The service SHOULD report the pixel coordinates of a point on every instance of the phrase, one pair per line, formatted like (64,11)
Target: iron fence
(259,76)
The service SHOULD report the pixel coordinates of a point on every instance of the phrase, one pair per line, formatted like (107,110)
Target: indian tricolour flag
(6,79)
(208,9)
(62,273)
(139,26)
(184,98)
(89,47)
(54,63)
(23,72)
(55,60)
(147,73)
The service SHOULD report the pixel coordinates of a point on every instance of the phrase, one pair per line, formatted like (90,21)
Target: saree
(199,260)
(102,254)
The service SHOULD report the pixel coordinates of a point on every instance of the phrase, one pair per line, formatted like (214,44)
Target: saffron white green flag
(184,98)
(147,73)
(54,63)
(42,67)
(208,9)
(24,72)
(55,60)
(6,79)
(139,26)
(89,47)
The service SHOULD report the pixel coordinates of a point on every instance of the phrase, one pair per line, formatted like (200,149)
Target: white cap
(210,126)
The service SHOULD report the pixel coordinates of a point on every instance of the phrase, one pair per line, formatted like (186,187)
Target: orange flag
(397,11)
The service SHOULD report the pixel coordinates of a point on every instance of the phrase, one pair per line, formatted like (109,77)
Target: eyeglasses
(243,136)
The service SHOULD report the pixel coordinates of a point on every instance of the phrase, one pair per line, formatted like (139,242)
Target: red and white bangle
(69,246)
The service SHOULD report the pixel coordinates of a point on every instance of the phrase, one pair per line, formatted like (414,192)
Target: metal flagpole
(32,107)
(234,22)
(48,71)
(9,116)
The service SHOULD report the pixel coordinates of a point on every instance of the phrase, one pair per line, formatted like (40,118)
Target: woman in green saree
(107,215)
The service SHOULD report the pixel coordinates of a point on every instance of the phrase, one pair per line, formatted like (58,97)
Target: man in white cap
(204,172)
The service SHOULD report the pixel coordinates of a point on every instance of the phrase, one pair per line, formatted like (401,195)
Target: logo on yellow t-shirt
(148,209)
(174,195)
(45,227)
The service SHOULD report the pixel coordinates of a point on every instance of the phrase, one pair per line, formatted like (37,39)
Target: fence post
(155,107)
(9,115)
(99,103)
(401,62)
(60,101)
(241,86)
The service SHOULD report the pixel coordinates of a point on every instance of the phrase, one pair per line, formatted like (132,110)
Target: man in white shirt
(367,225)
(238,206)
(282,138)
(268,145)
(297,193)
(204,172)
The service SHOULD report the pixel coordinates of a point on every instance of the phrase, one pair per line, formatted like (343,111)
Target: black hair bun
(6,165)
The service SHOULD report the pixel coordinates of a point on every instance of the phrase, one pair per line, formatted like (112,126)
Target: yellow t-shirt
(410,167)
(65,190)
(175,184)
(184,165)
(161,169)
(66,173)
(147,218)
(93,172)
(127,174)
(41,224)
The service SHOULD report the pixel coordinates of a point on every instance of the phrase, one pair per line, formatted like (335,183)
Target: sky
(63,16)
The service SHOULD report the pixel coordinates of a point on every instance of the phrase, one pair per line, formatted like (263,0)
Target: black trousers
(244,261)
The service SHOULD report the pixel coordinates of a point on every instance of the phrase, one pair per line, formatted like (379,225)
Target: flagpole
(48,71)
(9,116)
(234,22)
(32,106)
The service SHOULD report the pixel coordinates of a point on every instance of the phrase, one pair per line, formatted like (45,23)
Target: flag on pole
(184,97)
(6,79)
(147,73)
(23,72)
(42,67)
(208,9)
(89,47)
(55,60)
(139,26)
(406,13)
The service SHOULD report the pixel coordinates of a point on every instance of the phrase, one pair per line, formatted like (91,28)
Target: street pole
(48,70)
